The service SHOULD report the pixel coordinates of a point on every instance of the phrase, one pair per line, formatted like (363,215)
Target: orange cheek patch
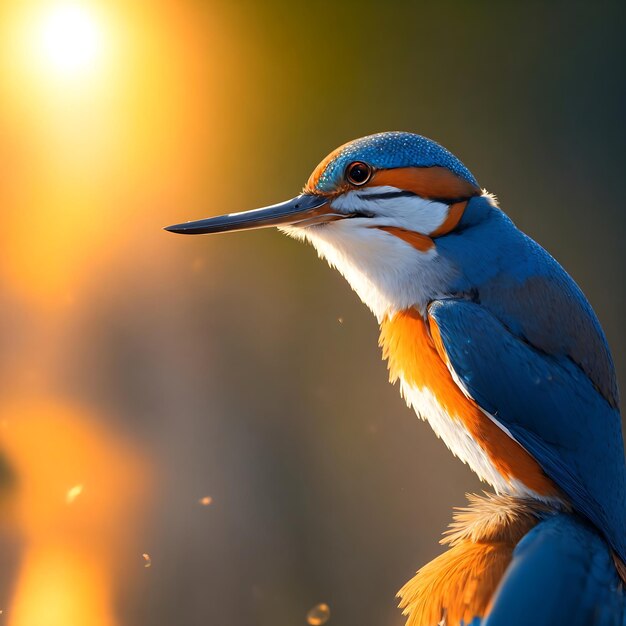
(415,352)
(420,242)
(427,182)
(455,213)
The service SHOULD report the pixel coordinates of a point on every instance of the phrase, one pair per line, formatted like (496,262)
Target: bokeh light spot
(318,615)
(73,493)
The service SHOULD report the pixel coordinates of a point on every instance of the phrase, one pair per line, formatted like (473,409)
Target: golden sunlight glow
(70,39)
(97,95)
(108,110)
(69,571)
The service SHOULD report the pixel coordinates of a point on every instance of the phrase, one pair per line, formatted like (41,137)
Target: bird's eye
(358,173)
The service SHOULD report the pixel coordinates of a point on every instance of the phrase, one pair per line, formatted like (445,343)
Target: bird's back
(544,370)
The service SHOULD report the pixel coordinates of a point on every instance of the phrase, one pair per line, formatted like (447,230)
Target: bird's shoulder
(547,309)
(513,278)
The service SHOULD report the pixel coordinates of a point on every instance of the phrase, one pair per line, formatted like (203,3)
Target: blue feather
(390,150)
(527,290)
(562,573)
(549,405)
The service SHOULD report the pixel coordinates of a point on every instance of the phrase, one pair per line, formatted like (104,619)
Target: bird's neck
(387,273)
(416,357)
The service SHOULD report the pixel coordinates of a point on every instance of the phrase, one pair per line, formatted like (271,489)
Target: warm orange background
(153,370)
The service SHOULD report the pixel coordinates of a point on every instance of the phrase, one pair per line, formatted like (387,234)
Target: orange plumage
(414,351)
(460,583)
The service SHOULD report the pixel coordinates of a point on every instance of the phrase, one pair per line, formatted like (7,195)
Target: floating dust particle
(73,493)
(147,560)
(206,500)
(318,615)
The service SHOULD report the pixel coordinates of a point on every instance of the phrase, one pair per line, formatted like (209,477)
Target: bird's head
(374,209)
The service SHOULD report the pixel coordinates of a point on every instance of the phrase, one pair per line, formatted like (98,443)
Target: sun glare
(70,39)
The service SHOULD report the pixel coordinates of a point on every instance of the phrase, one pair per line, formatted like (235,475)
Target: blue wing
(561,573)
(550,407)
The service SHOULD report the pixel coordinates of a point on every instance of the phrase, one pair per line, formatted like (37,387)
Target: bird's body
(492,342)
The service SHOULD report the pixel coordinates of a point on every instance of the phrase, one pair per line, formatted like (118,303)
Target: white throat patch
(387,273)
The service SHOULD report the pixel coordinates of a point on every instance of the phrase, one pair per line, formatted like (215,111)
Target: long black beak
(304,209)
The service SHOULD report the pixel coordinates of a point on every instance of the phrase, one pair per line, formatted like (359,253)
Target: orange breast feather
(460,583)
(415,353)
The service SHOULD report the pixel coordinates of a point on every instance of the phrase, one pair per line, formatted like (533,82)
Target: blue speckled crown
(390,150)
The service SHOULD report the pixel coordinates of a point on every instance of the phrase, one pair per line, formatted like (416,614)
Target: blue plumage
(391,150)
(562,573)
(524,287)
(526,345)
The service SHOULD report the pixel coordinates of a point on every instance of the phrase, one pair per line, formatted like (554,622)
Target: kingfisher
(495,345)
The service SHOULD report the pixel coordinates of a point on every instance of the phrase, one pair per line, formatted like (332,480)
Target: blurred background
(200,430)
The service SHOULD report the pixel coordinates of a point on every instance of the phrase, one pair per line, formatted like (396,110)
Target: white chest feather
(455,435)
(461,443)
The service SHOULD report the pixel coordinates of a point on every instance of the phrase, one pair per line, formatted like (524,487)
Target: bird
(495,345)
